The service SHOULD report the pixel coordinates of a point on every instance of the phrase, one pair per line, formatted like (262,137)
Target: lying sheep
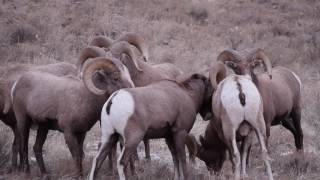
(237,107)
(166,109)
(65,104)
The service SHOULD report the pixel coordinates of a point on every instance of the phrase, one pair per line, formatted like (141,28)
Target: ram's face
(213,159)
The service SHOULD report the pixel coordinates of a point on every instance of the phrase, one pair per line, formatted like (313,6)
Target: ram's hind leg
(245,150)
(42,133)
(260,129)
(107,144)
(131,141)
(298,136)
(230,136)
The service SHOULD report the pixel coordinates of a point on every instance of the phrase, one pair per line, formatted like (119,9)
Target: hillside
(188,33)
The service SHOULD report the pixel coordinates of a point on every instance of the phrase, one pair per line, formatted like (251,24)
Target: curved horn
(193,147)
(101,41)
(91,66)
(89,52)
(217,73)
(229,55)
(138,42)
(259,54)
(123,47)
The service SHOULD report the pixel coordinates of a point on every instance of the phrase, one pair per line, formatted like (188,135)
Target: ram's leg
(246,144)
(74,148)
(107,143)
(296,118)
(179,142)
(81,137)
(42,133)
(15,150)
(170,143)
(112,158)
(229,132)
(147,148)
(23,127)
(259,127)
(131,141)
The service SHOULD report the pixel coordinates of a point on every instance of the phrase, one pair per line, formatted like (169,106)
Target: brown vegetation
(188,33)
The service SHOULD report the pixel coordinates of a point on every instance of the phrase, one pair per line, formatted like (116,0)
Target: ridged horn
(101,41)
(118,48)
(89,52)
(217,73)
(137,41)
(259,54)
(229,55)
(91,66)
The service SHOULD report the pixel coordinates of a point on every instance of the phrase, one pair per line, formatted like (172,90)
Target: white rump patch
(121,109)
(231,102)
(298,79)
(13,89)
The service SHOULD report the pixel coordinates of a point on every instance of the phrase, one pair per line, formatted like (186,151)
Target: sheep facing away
(238,110)
(165,109)
(146,74)
(65,104)
(281,95)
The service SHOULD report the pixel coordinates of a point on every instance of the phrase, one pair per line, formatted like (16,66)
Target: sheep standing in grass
(66,104)
(147,74)
(166,109)
(238,111)
(281,95)
(7,81)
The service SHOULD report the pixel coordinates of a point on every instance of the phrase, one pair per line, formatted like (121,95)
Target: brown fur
(282,102)
(280,91)
(165,109)
(9,78)
(57,103)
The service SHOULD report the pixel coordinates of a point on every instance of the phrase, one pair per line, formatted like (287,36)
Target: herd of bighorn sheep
(136,101)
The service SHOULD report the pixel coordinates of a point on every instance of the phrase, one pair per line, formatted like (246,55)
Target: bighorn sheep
(165,109)
(281,95)
(66,104)
(237,107)
(147,73)
(7,81)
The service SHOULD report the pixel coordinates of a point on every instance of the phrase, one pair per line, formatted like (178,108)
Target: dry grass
(187,33)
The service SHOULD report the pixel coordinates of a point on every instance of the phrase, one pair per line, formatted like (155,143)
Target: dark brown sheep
(7,81)
(65,104)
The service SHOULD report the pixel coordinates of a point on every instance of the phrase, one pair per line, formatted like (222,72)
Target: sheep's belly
(157,133)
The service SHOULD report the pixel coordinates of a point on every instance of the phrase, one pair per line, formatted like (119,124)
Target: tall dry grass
(189,33)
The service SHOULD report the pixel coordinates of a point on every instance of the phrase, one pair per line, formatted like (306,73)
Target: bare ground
(187,33)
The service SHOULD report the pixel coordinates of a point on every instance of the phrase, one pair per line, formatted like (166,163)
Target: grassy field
(188,33)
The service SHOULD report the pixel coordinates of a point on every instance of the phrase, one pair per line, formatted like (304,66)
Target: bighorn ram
(7,81)
(281,95)
(65,103)
(237,107)
(147,73)
(166,109)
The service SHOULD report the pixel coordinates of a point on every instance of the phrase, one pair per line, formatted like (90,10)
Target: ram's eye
(231,64)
